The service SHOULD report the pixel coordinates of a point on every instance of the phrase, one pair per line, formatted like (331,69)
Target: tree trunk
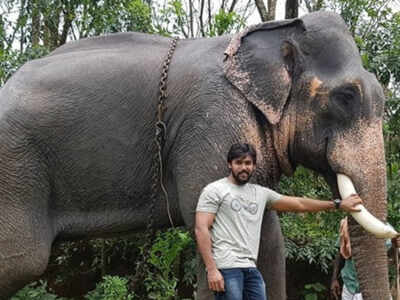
(234,2)
(292,9)
(314,5)
(201,19)
(69,16)
(191,18)
(262,10)
(266,15)
(2,34)
(209,15)
(21,15)
(35,31)
(271,10)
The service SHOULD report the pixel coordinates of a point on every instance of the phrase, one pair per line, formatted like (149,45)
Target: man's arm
(297,204)
(338,264)
(204,222)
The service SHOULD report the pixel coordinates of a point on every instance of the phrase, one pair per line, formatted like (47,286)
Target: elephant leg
(271,257)
(26,231)
(189,189)
(188,212)
(25,245)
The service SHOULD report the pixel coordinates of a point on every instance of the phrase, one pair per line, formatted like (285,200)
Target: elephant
(77,131)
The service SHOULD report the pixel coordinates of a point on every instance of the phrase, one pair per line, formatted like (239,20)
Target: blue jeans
(242,284)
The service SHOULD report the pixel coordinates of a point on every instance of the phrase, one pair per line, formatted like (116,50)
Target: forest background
(104,268)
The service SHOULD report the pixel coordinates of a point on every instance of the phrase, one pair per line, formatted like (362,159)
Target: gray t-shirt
(238,211)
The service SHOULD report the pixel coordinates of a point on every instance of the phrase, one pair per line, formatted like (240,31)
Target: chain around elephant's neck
(157,170)
(160,135)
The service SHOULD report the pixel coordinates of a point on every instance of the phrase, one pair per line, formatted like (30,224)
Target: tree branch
(201,18)
(319,5)
(234,2)
(373,22)
(223,4)
(69,15)
(271,10)
(262,10)
(191,18)
(292,9)
(35,30)
(209,14)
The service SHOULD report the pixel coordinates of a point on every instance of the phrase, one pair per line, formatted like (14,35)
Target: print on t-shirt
(238,202)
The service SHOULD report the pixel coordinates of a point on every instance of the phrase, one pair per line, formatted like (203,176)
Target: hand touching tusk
(364,217)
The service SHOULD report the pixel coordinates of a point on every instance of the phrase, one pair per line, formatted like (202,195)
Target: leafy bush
(35,291)
(111,288)
(314,291)
(309,237)
(161,279)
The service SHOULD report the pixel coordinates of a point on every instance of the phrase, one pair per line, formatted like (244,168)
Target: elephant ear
(261,62)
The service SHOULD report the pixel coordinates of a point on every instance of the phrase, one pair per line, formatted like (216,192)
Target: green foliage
(314,291)
(170,19)
(392,151)
(167,247)
(309,237)
(225,22)
(190,264)
(99,17)
(394,199)
(139,17)
(305,183)
(161,279)
(35,291)
(173,18)
(31,29)
(172,254)
(97,257)
(111,288)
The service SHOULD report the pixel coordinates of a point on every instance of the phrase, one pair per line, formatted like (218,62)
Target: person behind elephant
(343,266)
(228,225)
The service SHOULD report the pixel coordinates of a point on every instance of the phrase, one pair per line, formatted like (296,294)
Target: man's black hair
(241,149)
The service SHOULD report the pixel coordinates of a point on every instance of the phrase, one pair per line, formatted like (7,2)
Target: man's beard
(239,180)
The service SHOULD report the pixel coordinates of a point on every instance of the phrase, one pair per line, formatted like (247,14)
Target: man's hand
(349,204)
(335,289)
(215,281)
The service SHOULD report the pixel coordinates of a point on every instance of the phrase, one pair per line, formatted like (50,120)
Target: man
(343,265)
(228,225)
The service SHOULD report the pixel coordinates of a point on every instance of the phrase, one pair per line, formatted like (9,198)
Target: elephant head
(306,78)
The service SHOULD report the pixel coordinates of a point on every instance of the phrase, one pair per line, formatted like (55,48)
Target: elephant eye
(344,97)
(344,101)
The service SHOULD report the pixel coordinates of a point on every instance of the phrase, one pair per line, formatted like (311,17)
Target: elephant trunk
(359,154)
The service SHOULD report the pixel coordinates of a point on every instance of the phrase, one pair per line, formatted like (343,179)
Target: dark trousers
(242,284)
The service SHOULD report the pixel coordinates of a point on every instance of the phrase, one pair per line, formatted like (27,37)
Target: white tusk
(364,217)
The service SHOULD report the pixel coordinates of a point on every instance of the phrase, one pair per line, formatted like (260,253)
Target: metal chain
(157,171)
(161,127)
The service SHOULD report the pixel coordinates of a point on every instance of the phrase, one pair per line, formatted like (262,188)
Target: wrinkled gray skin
(76,132)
